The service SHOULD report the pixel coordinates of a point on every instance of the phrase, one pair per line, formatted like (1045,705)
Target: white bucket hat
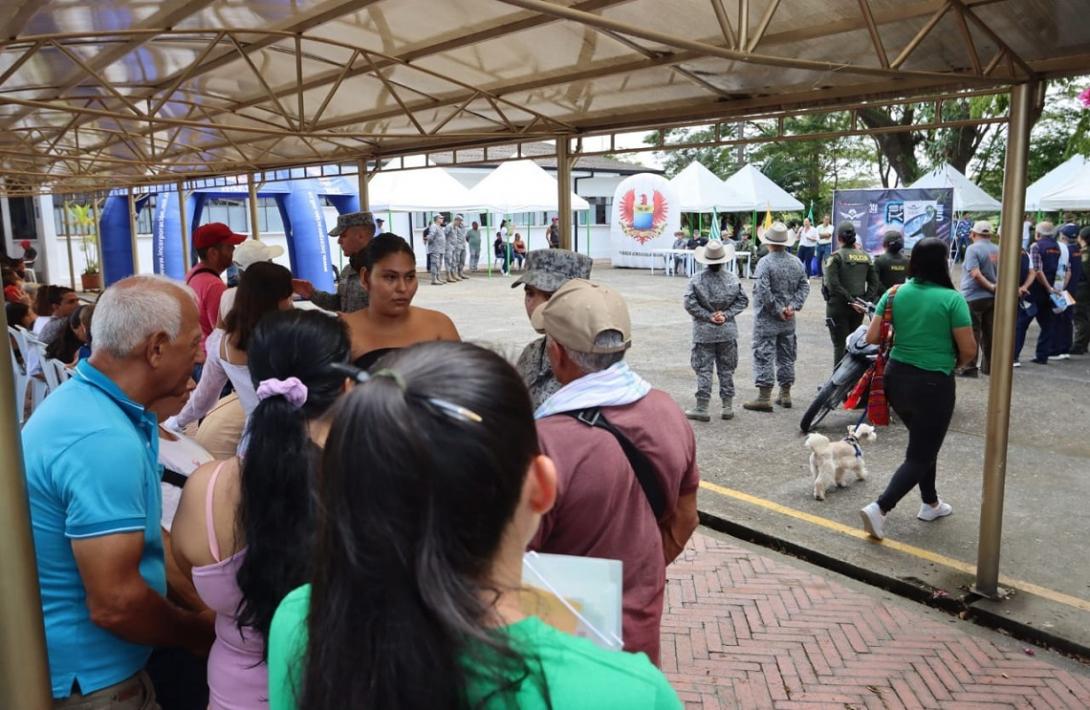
(715,253)
(252,251)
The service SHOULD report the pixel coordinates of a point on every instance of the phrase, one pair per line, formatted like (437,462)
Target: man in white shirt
(824,243)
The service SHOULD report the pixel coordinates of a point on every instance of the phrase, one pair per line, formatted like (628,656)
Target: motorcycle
(858,358)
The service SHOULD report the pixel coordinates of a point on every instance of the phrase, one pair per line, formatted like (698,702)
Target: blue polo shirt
(91,465)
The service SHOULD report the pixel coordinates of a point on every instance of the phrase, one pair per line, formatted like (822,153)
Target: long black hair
(414,505)
(275,516)
(65,346)
(378,249)
(928,263)
(261,288)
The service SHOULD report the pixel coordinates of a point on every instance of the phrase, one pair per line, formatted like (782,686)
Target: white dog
(832,461)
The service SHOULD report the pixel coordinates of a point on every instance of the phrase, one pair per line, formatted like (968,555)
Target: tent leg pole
(365,199)
(24,668)
(251,185)
(563,185)
(132,232)
(68,242)
(185,227)
(997,425)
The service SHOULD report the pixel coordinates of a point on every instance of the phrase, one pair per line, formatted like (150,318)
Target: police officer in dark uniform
(849,274)
(892,265)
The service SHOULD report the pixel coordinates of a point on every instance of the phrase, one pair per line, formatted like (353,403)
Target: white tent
(699,190)
(756,192)
(967,196)
(421,190)
(521,186)
(1073,195)
(1055,180)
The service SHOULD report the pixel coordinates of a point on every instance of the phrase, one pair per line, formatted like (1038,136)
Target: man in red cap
(215,246)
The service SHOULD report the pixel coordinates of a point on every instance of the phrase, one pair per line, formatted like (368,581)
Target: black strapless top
(366,361)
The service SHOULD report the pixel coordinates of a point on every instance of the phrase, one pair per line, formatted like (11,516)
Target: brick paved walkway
(741,630)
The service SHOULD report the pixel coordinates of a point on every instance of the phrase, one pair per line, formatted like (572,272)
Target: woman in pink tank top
(244,527)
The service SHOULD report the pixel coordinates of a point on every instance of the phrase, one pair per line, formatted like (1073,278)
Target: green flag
(810,216)
(714,233)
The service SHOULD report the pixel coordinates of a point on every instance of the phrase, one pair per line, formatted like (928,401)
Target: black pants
(842,320)
(924,400)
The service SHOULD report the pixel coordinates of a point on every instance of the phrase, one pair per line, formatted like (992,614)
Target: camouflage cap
(549,269)
(352,219)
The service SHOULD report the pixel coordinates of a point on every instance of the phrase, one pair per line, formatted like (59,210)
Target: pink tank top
(237,676)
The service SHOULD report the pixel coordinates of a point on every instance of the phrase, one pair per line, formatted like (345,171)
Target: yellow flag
(768,218)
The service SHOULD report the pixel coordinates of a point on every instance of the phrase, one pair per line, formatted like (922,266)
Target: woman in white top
(824,244)
(263,288)
(808,241)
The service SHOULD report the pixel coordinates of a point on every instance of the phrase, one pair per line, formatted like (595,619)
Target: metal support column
(563,186)
(184,226)
(365,202)
(1006,313)
(132,232)
(68,242)
(97,226)
(24,668)
(251,183)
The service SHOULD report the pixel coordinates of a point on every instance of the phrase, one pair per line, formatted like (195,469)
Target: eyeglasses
(446,407)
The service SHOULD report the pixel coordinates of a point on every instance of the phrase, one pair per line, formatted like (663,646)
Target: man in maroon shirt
(602,507)
(215,246)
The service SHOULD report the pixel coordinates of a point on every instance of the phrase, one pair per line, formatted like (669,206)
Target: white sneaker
(928,513)
(1063,356)
(1017,363)
(873,520)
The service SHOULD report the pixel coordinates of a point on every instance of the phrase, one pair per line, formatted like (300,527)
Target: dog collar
(855,445)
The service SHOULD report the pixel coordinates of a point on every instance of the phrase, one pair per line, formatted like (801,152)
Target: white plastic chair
(17,343)
(55,373)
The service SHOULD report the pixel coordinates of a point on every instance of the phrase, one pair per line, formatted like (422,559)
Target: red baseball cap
(215,233)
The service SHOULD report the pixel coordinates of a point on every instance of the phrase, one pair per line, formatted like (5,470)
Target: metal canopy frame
(107,117)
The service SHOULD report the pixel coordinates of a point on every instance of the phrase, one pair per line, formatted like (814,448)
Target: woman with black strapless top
(387,269)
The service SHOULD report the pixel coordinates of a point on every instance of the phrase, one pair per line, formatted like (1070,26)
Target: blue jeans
(1045,319)
(806,254)
(823,252)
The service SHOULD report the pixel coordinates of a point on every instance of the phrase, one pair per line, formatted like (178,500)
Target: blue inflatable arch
(299,202)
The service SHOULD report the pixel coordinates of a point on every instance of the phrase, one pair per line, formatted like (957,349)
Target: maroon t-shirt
(601,510)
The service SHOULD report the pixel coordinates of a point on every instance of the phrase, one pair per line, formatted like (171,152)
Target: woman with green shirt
(431,487)
(933,334)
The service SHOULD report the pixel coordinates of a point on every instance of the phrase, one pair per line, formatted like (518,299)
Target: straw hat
(715,253)
(777,235)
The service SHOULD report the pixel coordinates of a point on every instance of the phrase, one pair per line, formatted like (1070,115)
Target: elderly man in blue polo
(92,473)
(354,231)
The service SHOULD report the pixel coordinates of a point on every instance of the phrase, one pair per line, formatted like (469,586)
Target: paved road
(762,456)
(746,628)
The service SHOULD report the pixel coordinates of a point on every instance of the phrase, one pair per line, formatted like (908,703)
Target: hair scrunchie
(291,389)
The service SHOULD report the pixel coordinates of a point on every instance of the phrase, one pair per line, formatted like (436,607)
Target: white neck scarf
(613,387)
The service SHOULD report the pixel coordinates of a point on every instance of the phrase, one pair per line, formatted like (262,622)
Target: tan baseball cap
(579,312)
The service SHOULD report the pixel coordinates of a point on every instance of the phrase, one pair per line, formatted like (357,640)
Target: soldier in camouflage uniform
(456,249)
(713,298)
(849,274)
(546,271)
(436,242)
(779,291)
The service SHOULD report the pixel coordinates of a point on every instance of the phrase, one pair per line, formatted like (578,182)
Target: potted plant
(91,278)
(82,217)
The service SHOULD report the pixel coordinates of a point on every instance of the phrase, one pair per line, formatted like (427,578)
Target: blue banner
(915,212)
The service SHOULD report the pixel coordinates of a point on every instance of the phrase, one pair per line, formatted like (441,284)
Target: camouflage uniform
(456,248)
(546,270)
(437,247)
(533,366)
(780,281)
(714,345)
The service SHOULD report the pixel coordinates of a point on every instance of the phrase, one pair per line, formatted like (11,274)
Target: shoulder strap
(209,521)
(641,465)
(202,270)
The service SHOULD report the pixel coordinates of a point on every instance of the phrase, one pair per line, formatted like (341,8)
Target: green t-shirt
(578,674)
(923,317)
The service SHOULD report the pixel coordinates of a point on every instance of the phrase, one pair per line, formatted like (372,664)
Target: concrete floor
(1045,526)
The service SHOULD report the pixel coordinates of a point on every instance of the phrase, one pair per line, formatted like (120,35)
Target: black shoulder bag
(645,471)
